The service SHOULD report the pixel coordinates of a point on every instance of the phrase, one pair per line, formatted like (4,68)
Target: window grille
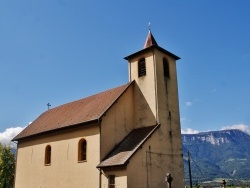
(166,68)
(141,67)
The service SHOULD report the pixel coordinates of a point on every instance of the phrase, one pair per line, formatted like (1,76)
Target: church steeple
(150,40)
(153,70)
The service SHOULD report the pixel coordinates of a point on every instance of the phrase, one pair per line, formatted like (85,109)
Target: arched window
(166,68)
(141,67)
(82,150)
(47,160)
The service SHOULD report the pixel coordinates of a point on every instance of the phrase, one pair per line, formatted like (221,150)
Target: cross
(169,179)
(49,105)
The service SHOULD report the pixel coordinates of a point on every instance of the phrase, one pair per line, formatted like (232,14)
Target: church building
(125,137)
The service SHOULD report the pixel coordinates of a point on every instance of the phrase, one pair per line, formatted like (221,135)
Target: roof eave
(58,129)
(111,166)
(150,48)
(139,146)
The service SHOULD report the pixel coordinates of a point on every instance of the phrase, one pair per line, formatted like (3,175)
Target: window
(111,181)
(47,160)
(82,150)
(141,67)
(166,67)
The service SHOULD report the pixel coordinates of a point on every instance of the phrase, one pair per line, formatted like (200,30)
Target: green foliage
(0,152)
(197,185)
(7,167)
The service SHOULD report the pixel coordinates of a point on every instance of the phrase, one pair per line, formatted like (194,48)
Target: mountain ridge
(218,154)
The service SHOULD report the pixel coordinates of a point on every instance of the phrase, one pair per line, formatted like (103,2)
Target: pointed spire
(150,41)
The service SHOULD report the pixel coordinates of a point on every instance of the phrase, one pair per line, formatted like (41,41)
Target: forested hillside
(218,154)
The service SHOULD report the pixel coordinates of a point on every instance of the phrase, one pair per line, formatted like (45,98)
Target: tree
(0,152)
(7,167)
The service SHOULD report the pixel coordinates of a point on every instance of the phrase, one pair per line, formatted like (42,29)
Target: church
(125,137)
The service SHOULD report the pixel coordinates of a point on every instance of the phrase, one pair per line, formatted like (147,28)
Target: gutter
(56,130)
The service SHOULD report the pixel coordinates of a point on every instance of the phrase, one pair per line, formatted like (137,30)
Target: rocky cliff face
(216,154)
(216,137)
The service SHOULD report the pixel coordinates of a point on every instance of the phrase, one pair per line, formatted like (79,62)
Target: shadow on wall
(144,115)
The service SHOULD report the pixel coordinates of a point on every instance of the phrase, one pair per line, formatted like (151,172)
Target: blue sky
(58,51)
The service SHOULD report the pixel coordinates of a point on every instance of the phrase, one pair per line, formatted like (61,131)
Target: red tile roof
(150,41)
(85,110)
(127,147)
(149,45)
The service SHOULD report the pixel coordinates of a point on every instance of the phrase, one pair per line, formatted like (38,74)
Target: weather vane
(149,26)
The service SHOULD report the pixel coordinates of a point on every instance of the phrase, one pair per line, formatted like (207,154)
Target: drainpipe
(100,173)
(16,161)
(100,178)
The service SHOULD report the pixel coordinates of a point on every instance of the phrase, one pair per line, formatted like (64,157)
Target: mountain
(217,154)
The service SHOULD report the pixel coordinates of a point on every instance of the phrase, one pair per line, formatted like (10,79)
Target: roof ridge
(81,111)
(89,96)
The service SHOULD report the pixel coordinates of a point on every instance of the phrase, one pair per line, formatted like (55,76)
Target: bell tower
(156,102)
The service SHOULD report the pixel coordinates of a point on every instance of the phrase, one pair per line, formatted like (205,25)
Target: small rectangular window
(47,160)
(111,181)
(141,67)
(166,68)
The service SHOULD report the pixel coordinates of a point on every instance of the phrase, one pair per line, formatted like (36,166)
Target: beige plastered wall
(65,171)
(169,118)
(120,174)
(118,122)
(149,166)
(144,95)
(164,149)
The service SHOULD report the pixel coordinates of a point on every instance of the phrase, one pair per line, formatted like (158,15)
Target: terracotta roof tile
(150,44)
(150,40)
(81,111)
(127,147)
